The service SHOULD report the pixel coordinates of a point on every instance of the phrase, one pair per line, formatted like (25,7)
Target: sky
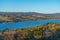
(41,6)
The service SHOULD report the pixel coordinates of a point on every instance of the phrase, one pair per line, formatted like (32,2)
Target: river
(23,24)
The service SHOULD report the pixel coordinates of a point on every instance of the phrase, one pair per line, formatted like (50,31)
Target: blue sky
(42,6)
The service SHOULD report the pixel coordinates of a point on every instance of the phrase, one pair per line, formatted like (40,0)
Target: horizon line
(36,12)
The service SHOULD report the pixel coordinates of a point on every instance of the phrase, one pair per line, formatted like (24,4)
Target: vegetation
(20,16)
(49,31)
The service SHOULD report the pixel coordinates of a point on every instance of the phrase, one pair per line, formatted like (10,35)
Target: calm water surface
(23,24)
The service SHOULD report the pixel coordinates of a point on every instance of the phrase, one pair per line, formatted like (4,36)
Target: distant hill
(19,16)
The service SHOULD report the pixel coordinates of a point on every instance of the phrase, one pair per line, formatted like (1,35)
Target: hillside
(49,31)
(20,16)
